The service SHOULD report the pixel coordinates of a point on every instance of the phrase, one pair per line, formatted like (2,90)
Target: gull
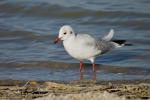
(85,47)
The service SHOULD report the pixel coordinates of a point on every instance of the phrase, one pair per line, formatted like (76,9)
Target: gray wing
(104,46)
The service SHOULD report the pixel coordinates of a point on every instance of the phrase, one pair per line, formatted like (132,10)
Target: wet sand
(74,90)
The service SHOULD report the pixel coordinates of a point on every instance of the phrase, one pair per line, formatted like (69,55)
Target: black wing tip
(120,42)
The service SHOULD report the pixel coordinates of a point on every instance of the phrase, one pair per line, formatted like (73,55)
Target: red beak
(57,40)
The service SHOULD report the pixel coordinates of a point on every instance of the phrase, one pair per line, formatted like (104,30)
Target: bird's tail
(116,43)
(109,36)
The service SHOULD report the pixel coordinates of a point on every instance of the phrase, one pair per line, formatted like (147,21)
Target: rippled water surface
(28,28)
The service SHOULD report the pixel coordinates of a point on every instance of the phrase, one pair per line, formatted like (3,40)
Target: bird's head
(65,32)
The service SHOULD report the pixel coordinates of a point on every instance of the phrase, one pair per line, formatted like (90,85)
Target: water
(28,28)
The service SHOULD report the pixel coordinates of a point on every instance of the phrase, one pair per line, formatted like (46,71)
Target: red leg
(94,76)
(94,67)
(81,76)
(81,67)
(94,70)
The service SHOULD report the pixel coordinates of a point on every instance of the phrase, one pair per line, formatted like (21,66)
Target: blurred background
(28,28)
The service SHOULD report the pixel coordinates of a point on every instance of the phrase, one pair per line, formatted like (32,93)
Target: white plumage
(83,46)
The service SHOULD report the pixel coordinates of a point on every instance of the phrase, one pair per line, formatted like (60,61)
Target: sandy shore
(74,90)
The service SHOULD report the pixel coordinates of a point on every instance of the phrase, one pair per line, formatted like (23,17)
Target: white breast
(78,48)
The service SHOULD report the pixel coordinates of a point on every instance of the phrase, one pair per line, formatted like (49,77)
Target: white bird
(85,47)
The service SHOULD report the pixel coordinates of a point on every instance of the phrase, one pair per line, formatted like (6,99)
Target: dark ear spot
(70,32)
(65,33)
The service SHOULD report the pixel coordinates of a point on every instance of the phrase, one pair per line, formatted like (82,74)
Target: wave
(23,35)
(49,10)
(135,20)
(71,66)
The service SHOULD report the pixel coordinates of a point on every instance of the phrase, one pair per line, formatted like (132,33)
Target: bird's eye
(65,33)
(71,32)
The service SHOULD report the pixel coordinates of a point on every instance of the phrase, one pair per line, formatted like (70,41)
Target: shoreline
(39,90)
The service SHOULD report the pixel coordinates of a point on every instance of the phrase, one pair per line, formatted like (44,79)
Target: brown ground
(28,90)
